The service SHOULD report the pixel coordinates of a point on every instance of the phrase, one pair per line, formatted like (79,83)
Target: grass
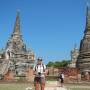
(79,89)
(14,86)
(23,86)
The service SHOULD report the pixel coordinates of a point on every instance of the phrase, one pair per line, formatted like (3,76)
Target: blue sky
(49,27)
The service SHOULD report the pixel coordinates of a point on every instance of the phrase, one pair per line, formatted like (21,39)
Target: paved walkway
(51,86)
(54,86)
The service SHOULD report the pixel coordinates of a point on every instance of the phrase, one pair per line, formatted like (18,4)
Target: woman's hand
(35,73)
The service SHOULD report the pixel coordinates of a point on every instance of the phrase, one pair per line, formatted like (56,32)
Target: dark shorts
(39,80)
(61,80)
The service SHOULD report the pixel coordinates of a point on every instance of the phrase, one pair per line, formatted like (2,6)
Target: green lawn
(79,88)
(17,86)
(14,86)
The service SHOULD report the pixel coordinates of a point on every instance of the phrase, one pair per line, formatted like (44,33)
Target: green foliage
(58,64)
(50,64)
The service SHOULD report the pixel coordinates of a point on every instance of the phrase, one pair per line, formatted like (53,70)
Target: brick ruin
(71,74)
(83,60)
(16,61)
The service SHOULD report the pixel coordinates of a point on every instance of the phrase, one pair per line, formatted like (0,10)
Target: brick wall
(66,71)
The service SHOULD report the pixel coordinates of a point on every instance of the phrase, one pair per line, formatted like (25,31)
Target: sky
(51,28)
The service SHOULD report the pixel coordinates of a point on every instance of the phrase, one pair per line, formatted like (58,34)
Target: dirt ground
(23,86)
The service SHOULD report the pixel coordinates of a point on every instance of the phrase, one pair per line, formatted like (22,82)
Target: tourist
(39,71)
(61,79)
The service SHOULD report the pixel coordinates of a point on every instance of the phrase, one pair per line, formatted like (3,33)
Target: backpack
(60,76)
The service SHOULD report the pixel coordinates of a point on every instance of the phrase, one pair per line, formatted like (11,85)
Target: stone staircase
(4,67)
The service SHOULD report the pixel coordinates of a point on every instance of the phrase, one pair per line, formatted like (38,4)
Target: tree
(58,64)
(50,64)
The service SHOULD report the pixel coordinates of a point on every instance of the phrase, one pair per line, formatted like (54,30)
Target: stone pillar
(86,75)
(29,75)
(9,76)
(79,77)
(51,71)
(7,55)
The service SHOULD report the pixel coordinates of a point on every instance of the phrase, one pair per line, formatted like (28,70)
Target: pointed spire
(87,18)
(75,46)
(17,24)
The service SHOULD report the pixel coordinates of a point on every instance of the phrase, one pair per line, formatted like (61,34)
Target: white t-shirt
(62,76)
(40,69)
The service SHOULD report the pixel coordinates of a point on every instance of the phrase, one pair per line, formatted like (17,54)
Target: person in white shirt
(39,71)
(61,79)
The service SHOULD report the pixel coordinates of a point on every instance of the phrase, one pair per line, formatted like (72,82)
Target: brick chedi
(74,56)
(83,62)
(16,58)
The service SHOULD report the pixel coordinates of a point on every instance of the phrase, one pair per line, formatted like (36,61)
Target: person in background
(39,71)
(61,79)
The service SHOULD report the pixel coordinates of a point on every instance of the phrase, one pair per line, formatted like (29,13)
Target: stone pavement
(51,86)
(55,88)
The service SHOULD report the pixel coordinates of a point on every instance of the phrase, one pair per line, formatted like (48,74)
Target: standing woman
(61,79)
(39,71)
